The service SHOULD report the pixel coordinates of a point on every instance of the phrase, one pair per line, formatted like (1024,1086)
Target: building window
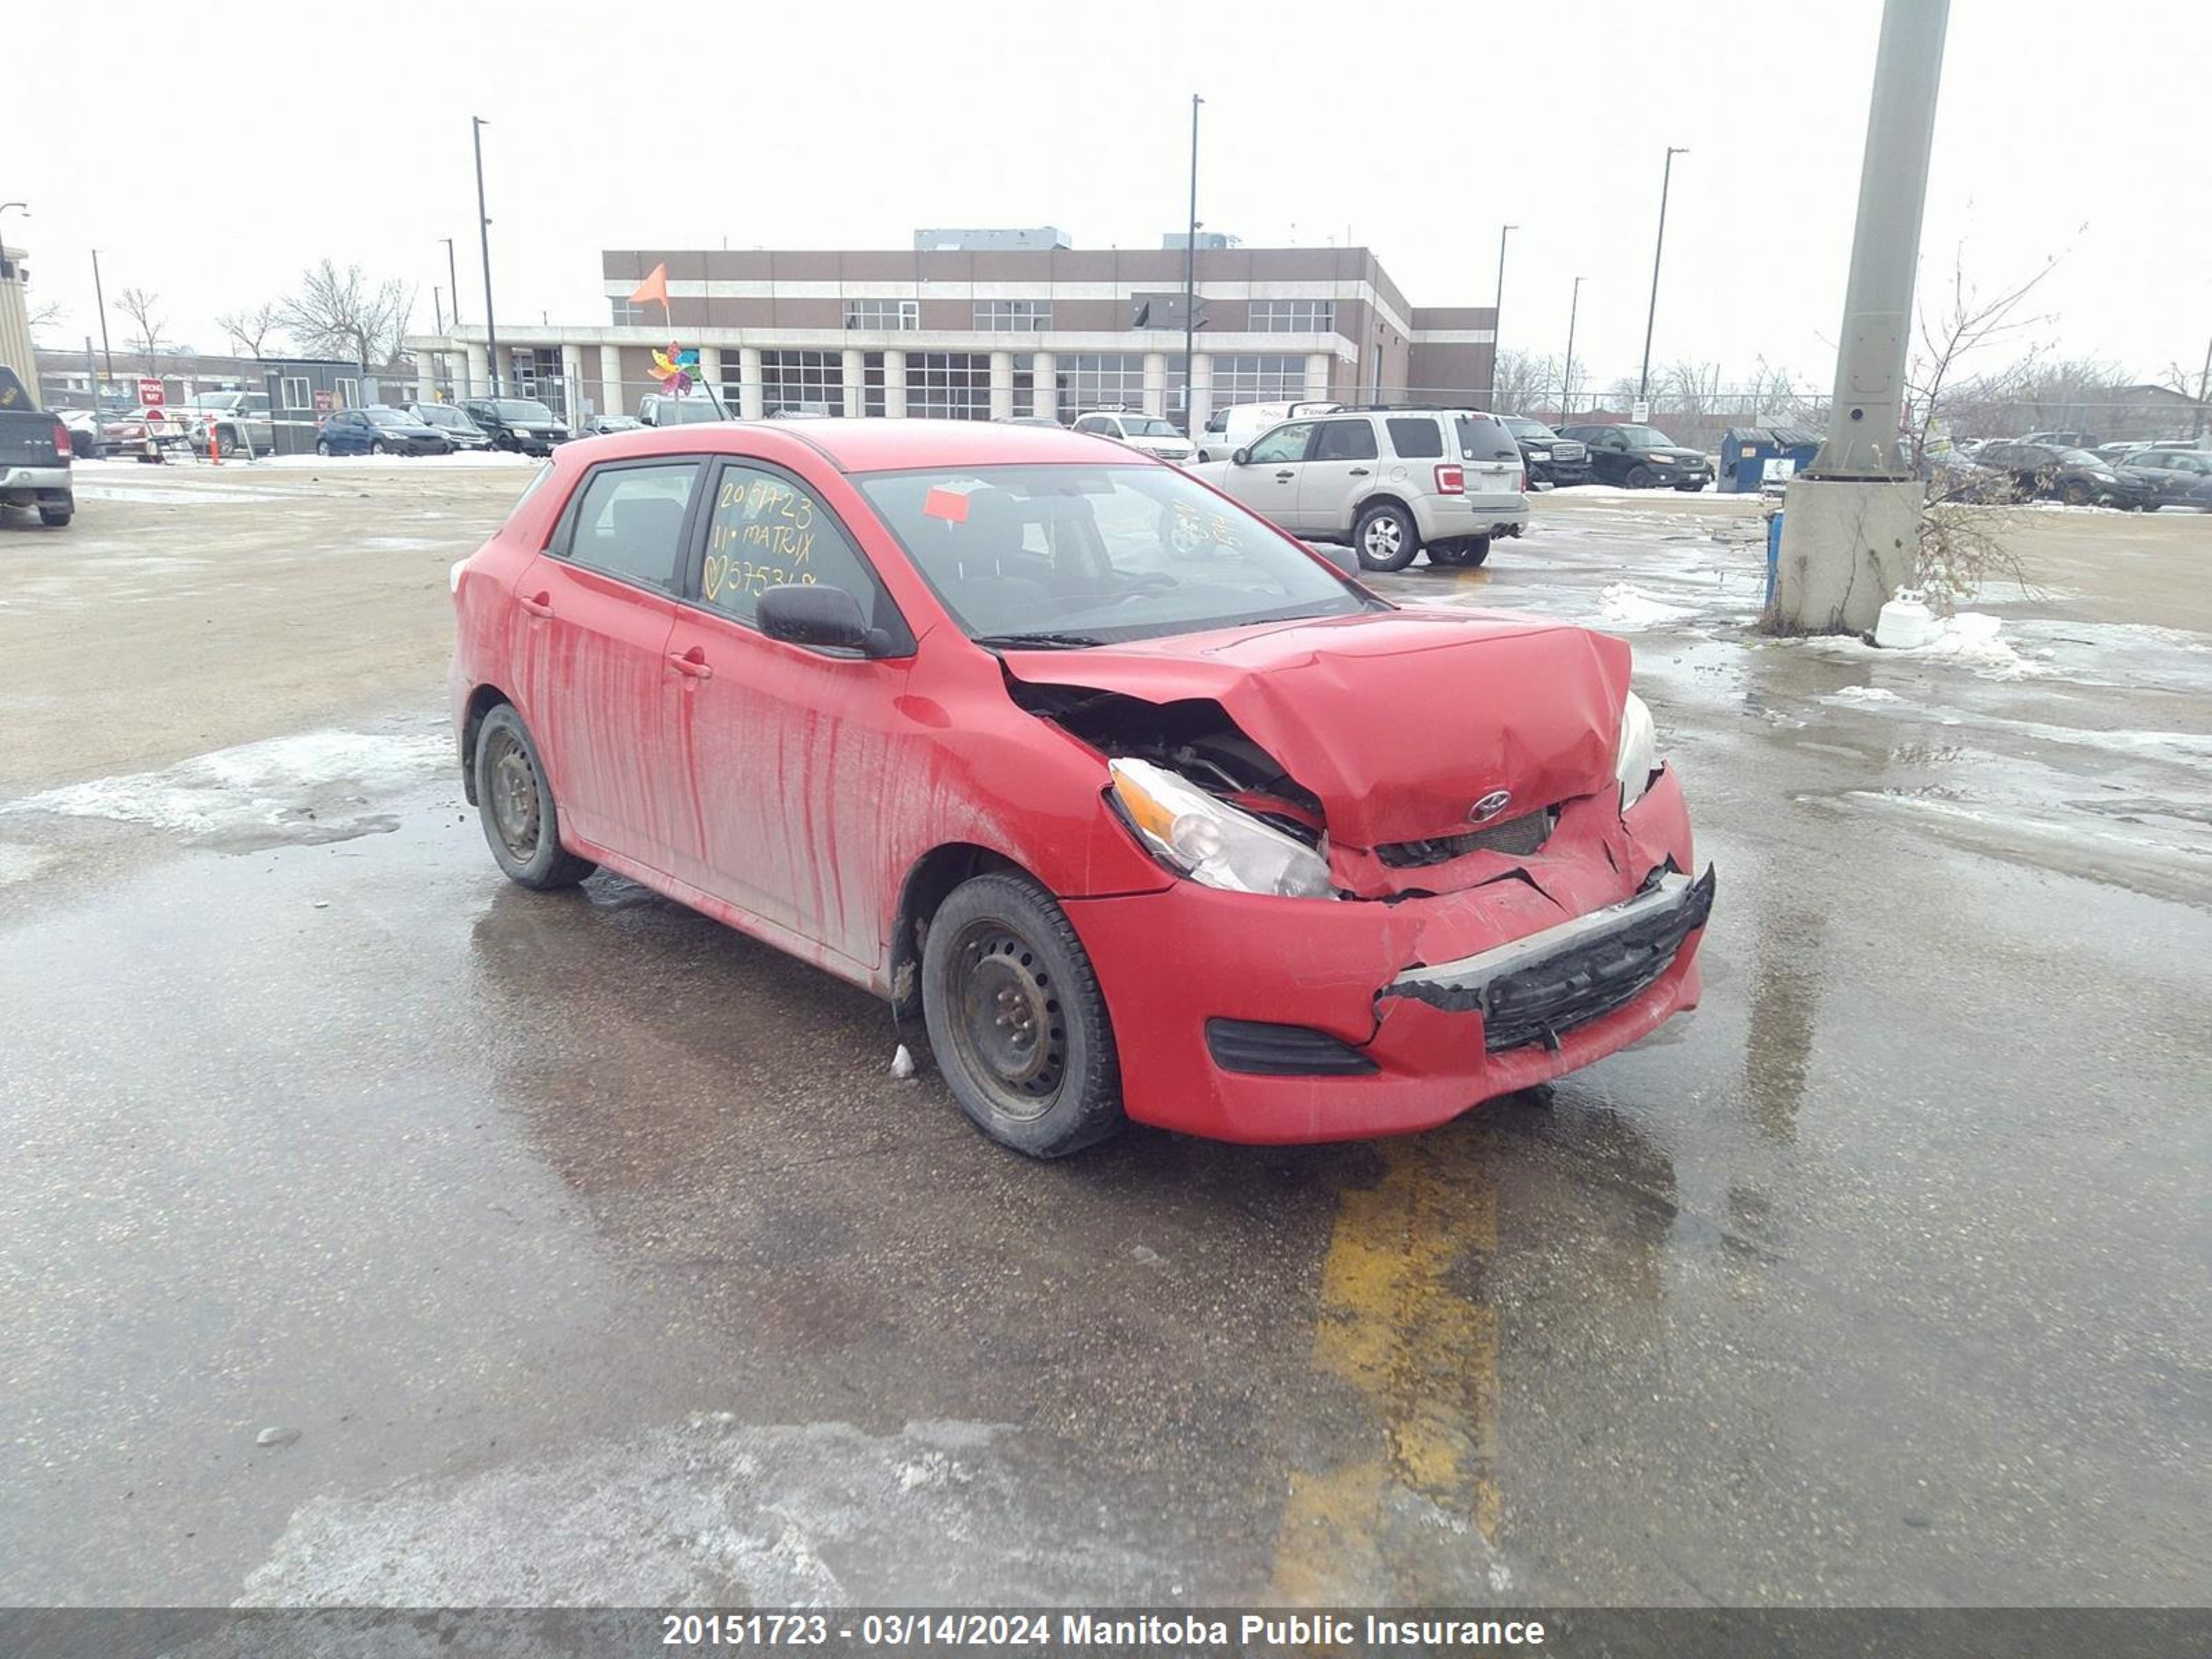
(1293,316)
(627,313)
(949,385)
(894,314)
(297,392)
(802,382)
(1100,380)
(348,394)
(1013,316)
(1258,378)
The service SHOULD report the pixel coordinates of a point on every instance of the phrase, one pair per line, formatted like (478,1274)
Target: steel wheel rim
(511,786)
(1382,537)
(1008,1021)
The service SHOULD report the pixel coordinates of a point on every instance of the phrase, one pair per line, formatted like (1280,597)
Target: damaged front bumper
(1248,1018)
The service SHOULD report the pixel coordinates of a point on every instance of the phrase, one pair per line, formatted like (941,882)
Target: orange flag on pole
(653,289)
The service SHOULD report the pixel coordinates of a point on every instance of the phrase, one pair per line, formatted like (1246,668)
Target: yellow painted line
(1472,577)
(1424,1356)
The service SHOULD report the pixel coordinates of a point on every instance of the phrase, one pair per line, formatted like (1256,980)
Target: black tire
(1462,553)
(522,825)
(323,448)
(376,447)
(1385,537)
(1641,478)
(1016,1019)
(2074,493)
(2151,507)
(55,517)
(1475,551)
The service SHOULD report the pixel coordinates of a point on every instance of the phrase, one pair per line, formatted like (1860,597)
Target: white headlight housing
(1210,841)
(1638,755)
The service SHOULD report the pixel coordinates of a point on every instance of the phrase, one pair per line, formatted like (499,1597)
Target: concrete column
(426,377)
(750,405)
(710,367)
(612,400)
(1156,383)
(856,382)
(1201,391)
(574,390)
(895,385)
(1002,384)
(475,380)
(1317,375)
(1044,389)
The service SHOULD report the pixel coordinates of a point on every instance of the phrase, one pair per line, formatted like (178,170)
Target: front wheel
(2076,494)
(1015,1019)
(1385,537)
(378,448)
(520,822)
(323,448)
(1641,478)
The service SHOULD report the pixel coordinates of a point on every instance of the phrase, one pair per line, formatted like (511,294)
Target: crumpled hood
(1399,721)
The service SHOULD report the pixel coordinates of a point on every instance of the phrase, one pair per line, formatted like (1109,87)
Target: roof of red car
(878,445)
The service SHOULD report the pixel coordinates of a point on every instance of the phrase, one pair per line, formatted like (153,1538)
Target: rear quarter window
(1416,438)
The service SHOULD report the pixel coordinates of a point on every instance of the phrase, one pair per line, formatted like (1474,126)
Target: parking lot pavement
(572,1247)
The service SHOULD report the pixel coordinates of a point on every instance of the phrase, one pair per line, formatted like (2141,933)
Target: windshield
(683,411)
(1147,429)
(521,409)
(389,417)
(2080,457)
(1646,437)
(443,415)
(1073,555)
(1522,426)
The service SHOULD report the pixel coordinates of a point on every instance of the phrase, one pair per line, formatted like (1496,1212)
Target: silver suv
(1390,481)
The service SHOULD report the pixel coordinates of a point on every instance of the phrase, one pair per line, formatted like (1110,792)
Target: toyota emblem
(1490,805)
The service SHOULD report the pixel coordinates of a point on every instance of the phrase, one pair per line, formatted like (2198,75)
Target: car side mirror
(819,617)
(1242,457)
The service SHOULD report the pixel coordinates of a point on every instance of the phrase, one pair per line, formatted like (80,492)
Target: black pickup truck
(34,455)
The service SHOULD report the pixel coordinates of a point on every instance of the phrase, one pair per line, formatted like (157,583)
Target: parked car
(1390,481)
(1206,836)
(1551,459)
(517,423)
(35,455)
(2063,439)
(1642,457)
(658,408)
(378,430)
(141,431)
(1031,420)
(83,426)
(1231,429)
(1147,432)
(240,422)
(2076,477)
(460,431)
(2171,477)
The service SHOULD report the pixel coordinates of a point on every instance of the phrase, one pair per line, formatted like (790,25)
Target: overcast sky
(1415,130)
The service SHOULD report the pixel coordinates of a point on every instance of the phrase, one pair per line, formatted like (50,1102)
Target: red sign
(152,394)
(326,402)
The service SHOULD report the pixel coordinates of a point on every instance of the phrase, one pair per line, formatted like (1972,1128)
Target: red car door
(788,750)
(599,603)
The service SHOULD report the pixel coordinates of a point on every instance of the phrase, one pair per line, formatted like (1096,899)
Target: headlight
(1540,454)
(1213,842)
(1637,757)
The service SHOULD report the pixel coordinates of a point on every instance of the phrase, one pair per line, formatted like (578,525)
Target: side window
(1284,443)
(767,530)
(1346,440)
(1417,438)
(630,522)
(1092,423)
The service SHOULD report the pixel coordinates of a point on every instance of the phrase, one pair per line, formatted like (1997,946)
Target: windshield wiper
(1038,641)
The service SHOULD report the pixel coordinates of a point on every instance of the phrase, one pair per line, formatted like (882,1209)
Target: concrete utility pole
(1190,273)
(454,276)
(100,299)
(476,125)
(1850,527)
(1496,317)
(1567,368)
(1658,247)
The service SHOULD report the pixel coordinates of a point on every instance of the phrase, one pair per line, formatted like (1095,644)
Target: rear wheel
(376,447)
(1015,1019)
(1464,552)
(520,822)
(323,448)
(1385,538)
(55,516)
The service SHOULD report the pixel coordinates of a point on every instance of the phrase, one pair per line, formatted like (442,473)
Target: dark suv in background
(1550,459)
(523,423)
(1642,457)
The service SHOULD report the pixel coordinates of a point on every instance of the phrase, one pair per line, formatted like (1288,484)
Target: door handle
(538,604)
(1284,478)
(692,662)
(1357,472)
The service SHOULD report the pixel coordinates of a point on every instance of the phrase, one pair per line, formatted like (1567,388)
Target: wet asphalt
(575,1249)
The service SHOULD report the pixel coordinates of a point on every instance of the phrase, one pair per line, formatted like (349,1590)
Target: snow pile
(1626,606)
(1864,694)
(1969,638)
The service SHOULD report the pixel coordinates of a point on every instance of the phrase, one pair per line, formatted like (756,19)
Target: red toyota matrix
(1148,809)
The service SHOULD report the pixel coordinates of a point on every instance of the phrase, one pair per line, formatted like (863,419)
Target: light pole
(1190,270)
(2203,377)
(1567,369)
(1496,312)
(438,307)
(452,277)
(1658,247)
(99,298)
(476,125)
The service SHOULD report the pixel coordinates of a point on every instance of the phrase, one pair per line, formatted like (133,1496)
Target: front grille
(1576,985)
(1567,451)
(1265,1050)
(1516,837)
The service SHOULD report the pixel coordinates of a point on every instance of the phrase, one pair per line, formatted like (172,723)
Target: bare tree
(1524,380)
(1966,322)
(344,314)
(46,316)
(250,330)
(148,337)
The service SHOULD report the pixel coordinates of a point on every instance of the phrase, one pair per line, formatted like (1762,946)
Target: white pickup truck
(240,421)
